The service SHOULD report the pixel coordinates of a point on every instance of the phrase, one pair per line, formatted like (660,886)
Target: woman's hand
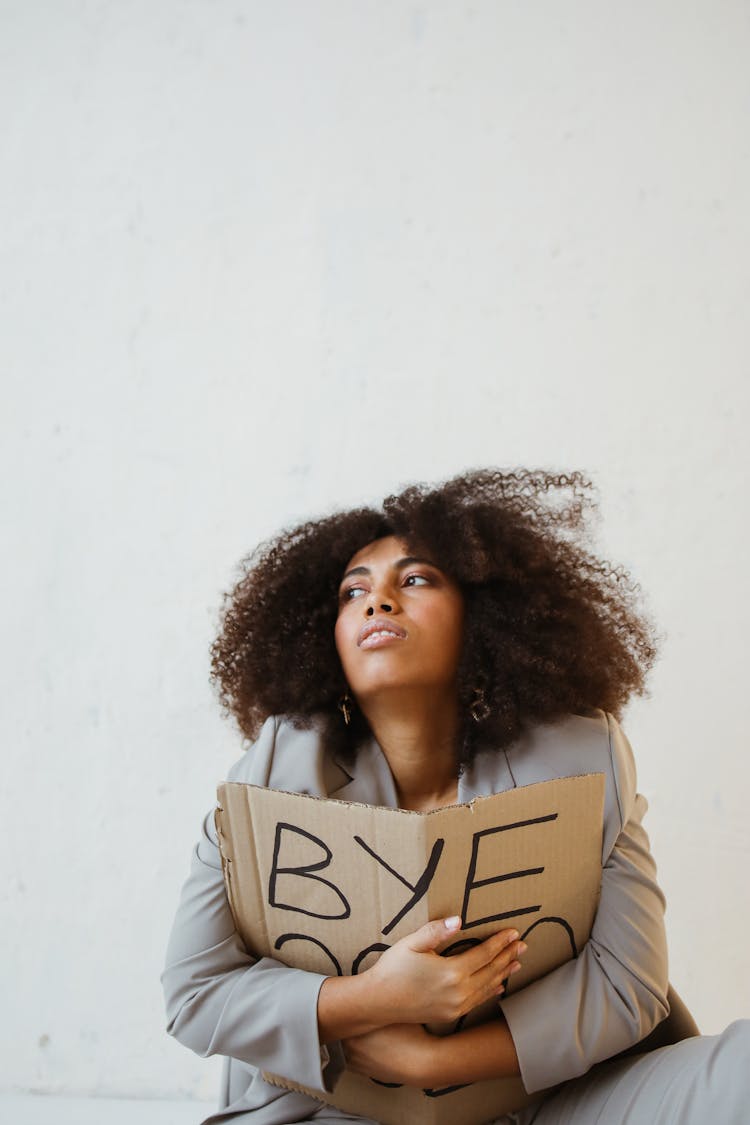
(415,984)
(399,1053)
(412,983)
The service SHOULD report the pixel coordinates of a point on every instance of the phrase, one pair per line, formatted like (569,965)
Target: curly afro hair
(550,629)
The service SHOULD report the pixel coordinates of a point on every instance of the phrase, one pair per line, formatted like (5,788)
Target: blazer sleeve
(221,1000)
(615,992)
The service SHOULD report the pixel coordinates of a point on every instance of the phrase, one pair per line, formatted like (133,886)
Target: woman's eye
(416,580)
(351,593)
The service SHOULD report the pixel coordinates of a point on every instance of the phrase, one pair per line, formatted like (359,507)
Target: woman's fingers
(433,934)
(485,968)
(509,957)
(490,980)
(476,959)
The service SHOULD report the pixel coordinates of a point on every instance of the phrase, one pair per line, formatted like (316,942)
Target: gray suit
(262,1015)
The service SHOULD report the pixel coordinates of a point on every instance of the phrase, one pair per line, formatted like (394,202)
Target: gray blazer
(263,1014)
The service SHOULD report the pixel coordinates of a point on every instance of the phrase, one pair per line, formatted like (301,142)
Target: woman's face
(400,621)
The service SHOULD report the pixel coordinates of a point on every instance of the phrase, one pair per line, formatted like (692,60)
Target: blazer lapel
(488,773)
(370,778)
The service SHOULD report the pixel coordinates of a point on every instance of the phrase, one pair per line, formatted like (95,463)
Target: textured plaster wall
(261,260)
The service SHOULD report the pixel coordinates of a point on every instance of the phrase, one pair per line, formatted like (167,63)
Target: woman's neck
(417,732)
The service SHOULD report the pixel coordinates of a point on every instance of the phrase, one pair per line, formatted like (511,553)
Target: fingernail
(522,947)
(453,923)
(512,936)
(514,968)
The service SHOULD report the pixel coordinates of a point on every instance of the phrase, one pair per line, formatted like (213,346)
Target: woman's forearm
(347,1007)
(473,1055)
(408,1053)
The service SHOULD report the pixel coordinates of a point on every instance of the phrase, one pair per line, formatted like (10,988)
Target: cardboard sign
(326,886)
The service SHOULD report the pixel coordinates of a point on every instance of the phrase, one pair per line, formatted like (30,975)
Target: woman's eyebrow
(408,561)
(411,559)
(356,570)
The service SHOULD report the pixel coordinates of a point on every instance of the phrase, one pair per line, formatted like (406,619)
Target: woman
(460,641)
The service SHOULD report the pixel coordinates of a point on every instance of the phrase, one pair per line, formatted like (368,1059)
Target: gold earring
(344,706)
(478,708)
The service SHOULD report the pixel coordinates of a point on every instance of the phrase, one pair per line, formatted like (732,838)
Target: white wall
(261,260)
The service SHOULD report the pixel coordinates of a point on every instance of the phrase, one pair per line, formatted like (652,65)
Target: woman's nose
(380,600)
(385,606)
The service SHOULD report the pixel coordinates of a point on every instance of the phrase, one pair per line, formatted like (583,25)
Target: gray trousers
(695,1082)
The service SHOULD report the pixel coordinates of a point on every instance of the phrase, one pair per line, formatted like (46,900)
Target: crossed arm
(587,1010)
(379,1015)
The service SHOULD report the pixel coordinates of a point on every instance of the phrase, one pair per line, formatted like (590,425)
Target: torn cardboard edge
(327,885)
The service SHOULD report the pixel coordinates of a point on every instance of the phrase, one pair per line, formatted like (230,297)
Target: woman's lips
(377,640)
(379,632)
